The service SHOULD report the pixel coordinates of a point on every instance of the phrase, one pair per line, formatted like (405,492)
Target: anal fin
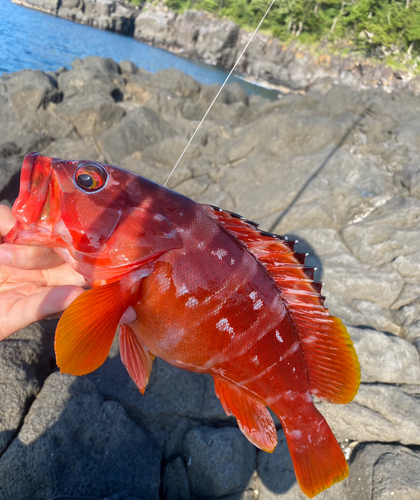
(135,357)
(253,417)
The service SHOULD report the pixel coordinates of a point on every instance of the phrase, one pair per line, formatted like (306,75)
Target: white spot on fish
(278,336)
(220,253)
(191,302)
(224,326)
(182,290)
(164,283)
(295,434)
(294,347)
(294,369)
(258,304)
(255,360)
(200,245)
(232,261)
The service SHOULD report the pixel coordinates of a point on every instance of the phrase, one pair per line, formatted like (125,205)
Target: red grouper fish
(213,294)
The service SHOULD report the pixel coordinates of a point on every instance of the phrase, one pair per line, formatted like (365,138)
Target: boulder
(139,129)
(219,461)
(381,471)
(76,444)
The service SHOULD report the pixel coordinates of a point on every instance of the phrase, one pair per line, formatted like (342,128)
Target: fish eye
(90,177)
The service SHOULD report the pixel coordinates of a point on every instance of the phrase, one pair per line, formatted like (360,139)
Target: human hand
(35,283)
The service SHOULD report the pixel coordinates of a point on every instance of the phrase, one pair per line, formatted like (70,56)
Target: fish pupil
(85,180)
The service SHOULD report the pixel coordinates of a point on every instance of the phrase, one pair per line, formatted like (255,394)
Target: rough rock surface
(205,37)
(337,170)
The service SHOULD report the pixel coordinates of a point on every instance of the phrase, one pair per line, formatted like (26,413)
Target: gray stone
(26,360)
(389,232)
(380,472)
(155,27)
(385,358)
(383,413)
(175,81)
(219,461)
(91,114)
(9,148)
(139,129)
(73,149)
(88,80)
(75,443)
(175,481)
(9,177)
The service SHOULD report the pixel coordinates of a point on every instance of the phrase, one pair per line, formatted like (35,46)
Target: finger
(7,221)
(35,307)
(129,316)
(28,257)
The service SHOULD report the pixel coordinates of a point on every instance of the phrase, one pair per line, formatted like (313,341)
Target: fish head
(105,221)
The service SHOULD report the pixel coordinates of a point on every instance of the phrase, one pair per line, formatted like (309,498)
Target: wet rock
(381,471)
(219,461)
(70,430)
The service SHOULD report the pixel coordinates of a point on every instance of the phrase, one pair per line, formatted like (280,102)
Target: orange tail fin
(317,457)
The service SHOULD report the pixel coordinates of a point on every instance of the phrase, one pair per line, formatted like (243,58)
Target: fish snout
(35,180)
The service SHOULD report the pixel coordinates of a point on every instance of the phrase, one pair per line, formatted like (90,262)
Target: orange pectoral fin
(136,358)
(253,418)
(86,330)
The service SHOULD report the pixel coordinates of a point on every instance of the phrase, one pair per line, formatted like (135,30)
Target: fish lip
(34,189)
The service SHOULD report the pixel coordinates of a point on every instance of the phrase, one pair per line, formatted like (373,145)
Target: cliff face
(205,37)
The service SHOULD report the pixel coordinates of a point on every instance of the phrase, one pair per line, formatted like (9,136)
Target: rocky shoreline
(337,169)
(207,38)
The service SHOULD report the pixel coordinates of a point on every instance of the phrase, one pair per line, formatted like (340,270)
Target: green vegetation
(381,28)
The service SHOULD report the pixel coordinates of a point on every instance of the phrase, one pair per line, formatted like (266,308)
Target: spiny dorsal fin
(330,357)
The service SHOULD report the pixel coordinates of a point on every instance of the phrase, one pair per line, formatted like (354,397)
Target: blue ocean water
(33,40)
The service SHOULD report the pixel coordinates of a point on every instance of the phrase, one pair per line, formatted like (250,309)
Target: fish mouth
(35,179)
(36,206)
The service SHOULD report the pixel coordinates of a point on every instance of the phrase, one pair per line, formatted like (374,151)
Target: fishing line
(218,93)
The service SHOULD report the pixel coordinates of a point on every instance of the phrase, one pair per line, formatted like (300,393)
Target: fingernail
(129,316)
(5,256)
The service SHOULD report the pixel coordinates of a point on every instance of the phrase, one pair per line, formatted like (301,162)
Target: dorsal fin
(330,357)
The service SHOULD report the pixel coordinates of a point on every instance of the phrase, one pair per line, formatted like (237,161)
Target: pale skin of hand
(35,283)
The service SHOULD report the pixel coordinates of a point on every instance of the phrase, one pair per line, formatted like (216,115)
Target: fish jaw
(37,206)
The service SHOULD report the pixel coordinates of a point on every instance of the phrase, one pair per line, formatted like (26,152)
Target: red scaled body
(213,294)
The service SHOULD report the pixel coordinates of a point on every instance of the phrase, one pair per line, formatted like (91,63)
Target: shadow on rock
(74,443)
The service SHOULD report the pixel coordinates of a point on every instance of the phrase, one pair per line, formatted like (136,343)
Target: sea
(30,39)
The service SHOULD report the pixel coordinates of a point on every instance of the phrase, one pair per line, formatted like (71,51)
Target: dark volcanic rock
(75,443)
(219,461)
(26,360)
(136,131)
